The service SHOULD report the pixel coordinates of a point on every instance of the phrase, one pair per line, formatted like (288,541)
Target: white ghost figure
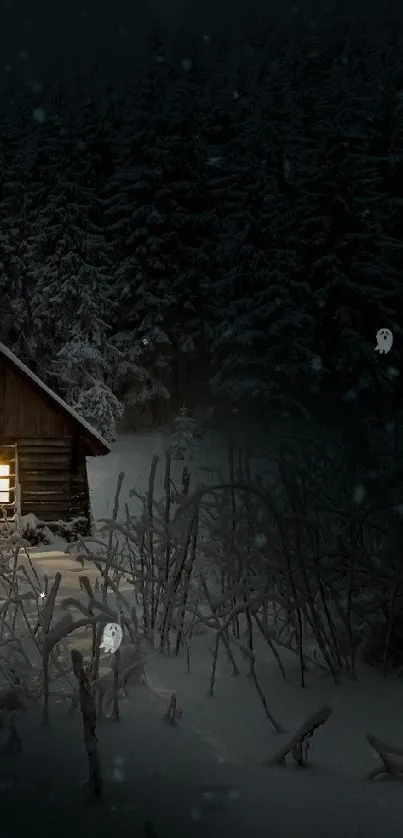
(111,637)
(384,340)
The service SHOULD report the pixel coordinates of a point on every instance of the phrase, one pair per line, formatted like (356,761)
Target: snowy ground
(133,453)
(206,776)
(168,776)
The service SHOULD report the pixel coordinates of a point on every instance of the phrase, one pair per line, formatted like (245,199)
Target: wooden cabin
(43,448)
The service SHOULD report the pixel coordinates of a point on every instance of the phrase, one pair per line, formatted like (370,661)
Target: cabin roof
(97,443)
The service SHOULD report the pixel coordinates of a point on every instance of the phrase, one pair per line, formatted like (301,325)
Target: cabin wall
(23,413)
(51,455)
(53,479)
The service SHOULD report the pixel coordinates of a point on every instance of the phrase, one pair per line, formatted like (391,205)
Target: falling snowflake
(235,95)
(215,161)
(37,86)
(288,171)
(187,64)
(316,364)
(118,774)
(260,540)
(38,114)
(206,39)
(23,54)
(359,493)
(160,59)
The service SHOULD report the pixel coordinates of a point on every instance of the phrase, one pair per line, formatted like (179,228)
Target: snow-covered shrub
(33,531)
(185,432)
(30,530)
(101,409)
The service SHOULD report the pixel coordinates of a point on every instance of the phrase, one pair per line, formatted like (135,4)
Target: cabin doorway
(9,487)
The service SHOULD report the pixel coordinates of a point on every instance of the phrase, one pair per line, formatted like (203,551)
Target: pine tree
(71,262)
(183,437)
(15,254)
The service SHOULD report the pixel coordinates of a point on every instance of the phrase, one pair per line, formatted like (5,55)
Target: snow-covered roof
(99,444)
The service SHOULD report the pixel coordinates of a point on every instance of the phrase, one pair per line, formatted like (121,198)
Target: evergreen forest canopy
(235,198)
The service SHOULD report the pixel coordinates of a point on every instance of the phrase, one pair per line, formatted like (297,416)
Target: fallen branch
(298,745)
(391,767)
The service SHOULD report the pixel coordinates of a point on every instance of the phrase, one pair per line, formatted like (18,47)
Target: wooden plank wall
(49,489)
(52,468)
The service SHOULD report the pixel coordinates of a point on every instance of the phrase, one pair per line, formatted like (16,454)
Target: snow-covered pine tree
(70,269)
(185,430)
(15,255)
(260,330)
(344,212)
(153,207)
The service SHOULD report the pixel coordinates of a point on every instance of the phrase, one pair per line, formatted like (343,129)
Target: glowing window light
(4,483)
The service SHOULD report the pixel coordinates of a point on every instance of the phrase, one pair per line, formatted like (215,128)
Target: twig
(115,669)
(46,619)
(214,663)
(172,712)
(88,712)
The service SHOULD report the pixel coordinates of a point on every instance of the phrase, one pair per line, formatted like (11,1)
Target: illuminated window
(4,484)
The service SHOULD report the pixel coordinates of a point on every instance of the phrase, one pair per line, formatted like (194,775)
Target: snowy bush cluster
(235,198)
